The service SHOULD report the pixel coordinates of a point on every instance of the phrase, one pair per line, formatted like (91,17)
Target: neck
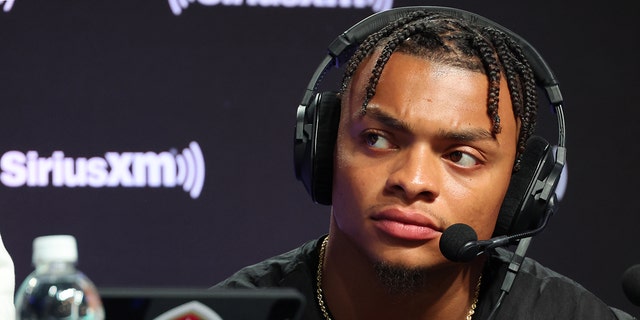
(353,290)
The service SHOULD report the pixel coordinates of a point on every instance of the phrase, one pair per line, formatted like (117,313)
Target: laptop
(202,304)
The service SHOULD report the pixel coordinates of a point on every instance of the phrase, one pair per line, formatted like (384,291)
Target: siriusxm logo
(6,5)
(166,169)
(376,5)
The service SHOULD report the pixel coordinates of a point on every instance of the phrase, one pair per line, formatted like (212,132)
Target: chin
(401,278)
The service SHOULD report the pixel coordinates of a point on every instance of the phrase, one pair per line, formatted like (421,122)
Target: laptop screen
(201,304)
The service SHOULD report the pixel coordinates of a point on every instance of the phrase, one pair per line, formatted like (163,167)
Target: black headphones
(531,194)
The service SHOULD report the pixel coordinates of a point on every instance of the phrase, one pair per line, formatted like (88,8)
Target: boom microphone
(459,242)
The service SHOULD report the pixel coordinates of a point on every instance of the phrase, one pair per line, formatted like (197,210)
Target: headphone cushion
(327,117)
(515,211)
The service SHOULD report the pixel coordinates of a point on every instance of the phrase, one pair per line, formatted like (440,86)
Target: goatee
(401,280)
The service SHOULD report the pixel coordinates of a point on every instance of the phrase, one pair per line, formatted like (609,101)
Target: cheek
(489,208)
(350,172)
(355,182)
(348,180)
(343,170)
(477,203)
(347,197)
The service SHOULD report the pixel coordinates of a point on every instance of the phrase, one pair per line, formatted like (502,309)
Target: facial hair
(400,280)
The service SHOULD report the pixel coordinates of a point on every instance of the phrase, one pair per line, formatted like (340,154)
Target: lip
(406,225)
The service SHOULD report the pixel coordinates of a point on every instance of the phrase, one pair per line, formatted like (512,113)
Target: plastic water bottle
(56,290)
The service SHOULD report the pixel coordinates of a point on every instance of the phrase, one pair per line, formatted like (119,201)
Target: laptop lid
(201,304)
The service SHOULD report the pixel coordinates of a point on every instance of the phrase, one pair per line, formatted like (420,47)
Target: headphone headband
(340,47)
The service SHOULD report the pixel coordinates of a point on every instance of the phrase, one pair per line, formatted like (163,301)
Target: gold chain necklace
(320,296)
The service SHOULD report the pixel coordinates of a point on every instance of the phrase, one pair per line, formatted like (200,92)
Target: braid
(441,38)
(521,83)
(490,63)
(529,111)
(391,45)
(373,41)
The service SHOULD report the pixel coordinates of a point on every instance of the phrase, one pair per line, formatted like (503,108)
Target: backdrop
(159,133)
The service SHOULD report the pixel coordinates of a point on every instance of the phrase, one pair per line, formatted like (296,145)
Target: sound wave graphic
(191,170)
(6,5)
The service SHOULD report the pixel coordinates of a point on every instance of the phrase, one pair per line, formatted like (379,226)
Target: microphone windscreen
(454,238)
(631,284)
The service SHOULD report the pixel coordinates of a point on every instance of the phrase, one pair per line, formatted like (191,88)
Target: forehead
(409,71)
(419,84)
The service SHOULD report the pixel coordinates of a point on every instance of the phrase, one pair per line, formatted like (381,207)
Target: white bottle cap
(61,248)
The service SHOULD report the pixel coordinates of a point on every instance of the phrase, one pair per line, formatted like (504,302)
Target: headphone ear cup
(521,211)
(314,154)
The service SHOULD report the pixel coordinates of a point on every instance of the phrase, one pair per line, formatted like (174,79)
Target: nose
(415,174)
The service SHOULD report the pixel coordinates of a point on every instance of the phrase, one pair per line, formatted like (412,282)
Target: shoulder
(287,269)
(294,269)
(541,293)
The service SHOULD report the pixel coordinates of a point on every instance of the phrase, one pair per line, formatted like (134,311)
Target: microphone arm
(474,248)
(501,241)
(527,234)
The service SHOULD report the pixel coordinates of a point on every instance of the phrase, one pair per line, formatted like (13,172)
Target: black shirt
(537,292)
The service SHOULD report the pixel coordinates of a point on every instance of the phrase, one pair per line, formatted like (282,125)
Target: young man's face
(420,159)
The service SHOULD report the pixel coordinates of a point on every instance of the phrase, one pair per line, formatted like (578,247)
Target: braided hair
(445,39)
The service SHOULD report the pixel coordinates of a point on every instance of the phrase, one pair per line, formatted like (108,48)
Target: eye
(377,141)
(463,159)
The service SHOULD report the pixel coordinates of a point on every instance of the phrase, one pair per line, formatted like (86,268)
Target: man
(435,116)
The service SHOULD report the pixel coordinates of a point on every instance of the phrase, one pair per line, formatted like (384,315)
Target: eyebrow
(463,135)
(386,119)
(467,135)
